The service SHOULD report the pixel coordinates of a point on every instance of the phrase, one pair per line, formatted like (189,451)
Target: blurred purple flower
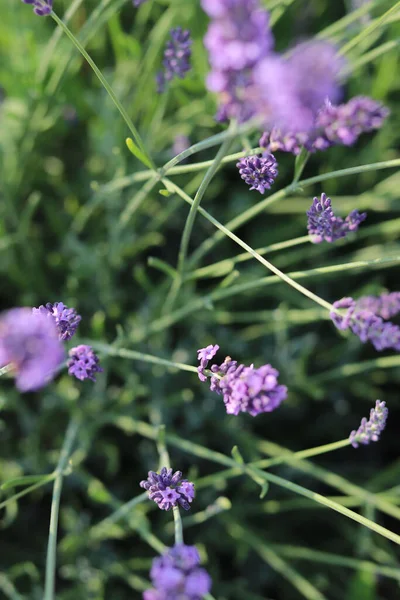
(176,58)
(181,143)
(176,574)
(385,305)
(168,489)
(324,226)
(83,363)
(66,319)
(137,3)
(245,389)
(370,430)
(259,172)
(30,344)
(366,325)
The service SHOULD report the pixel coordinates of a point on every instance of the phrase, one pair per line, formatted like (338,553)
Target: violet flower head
(371,429)
(245,389)
(343,124)
(66,319)
(385,305)
(168,489)
(204,355)
(367,325)
(83,363)
(40,7)
(323,225)
(176,574)
(137,3)
(259,172)
(285,142)
(177,55)
(30,344)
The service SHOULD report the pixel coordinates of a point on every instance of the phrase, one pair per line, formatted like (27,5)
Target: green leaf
(137,153)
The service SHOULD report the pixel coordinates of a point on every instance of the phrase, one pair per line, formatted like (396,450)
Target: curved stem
(70,436)
(144,157)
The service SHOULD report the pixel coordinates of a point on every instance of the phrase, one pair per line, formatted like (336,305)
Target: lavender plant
(95,213)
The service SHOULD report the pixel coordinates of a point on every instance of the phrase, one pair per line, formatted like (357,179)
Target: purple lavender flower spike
(385,305)
(259,172)
(176,574)
(41,7)
(290,142)
(66,319)
(30,344)
(245,389)
(323,225)
(367,325)
(204,355)
(177,55)
(83,363)
(168,489)
(370,430)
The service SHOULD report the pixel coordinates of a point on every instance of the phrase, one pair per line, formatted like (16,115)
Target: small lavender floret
(66,319)
(176,574)
(83,363)
(40,7)
(177,55)
(30,344)
(204,355)
(370,430)
(323,225)
(259,172)
(168,489)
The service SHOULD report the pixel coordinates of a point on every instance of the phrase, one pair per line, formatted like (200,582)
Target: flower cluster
(30,343)
(177,55)
(370,430)
(252,80)
(385,305)
(259,172)
(367,325)
(244,389)
(324,226)
(41,7)
(176,574)
(66,319)
(83,363)
(168,489)
(334,125)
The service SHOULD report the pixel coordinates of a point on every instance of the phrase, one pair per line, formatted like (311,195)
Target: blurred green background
(73,230)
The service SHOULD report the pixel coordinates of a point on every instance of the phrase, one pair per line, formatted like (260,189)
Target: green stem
(6,369)
(188,228)
(70,436)
(28,490)
(348,370)
(365,32)
(178,526)
(134,355)
(98,529)
(145,158)
(253,253)
(253,211)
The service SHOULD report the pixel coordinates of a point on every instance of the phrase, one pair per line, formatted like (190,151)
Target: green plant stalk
(134,355)
(347,20)
(188,228)
(371,56)
(148,431)
(207,301)
(365,32)
(348,370)
(146,159)
(28,490)
(253,211)
(178,525)
(121,512)
(249,249)
(70,436)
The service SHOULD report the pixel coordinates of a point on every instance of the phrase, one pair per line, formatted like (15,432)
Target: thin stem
(28,490)
(70,436)
(178,526)
(145,158)
(253,211)
(365,32)
(134,355)
(98,529)
(6,369)
(187,231)
(255,254)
